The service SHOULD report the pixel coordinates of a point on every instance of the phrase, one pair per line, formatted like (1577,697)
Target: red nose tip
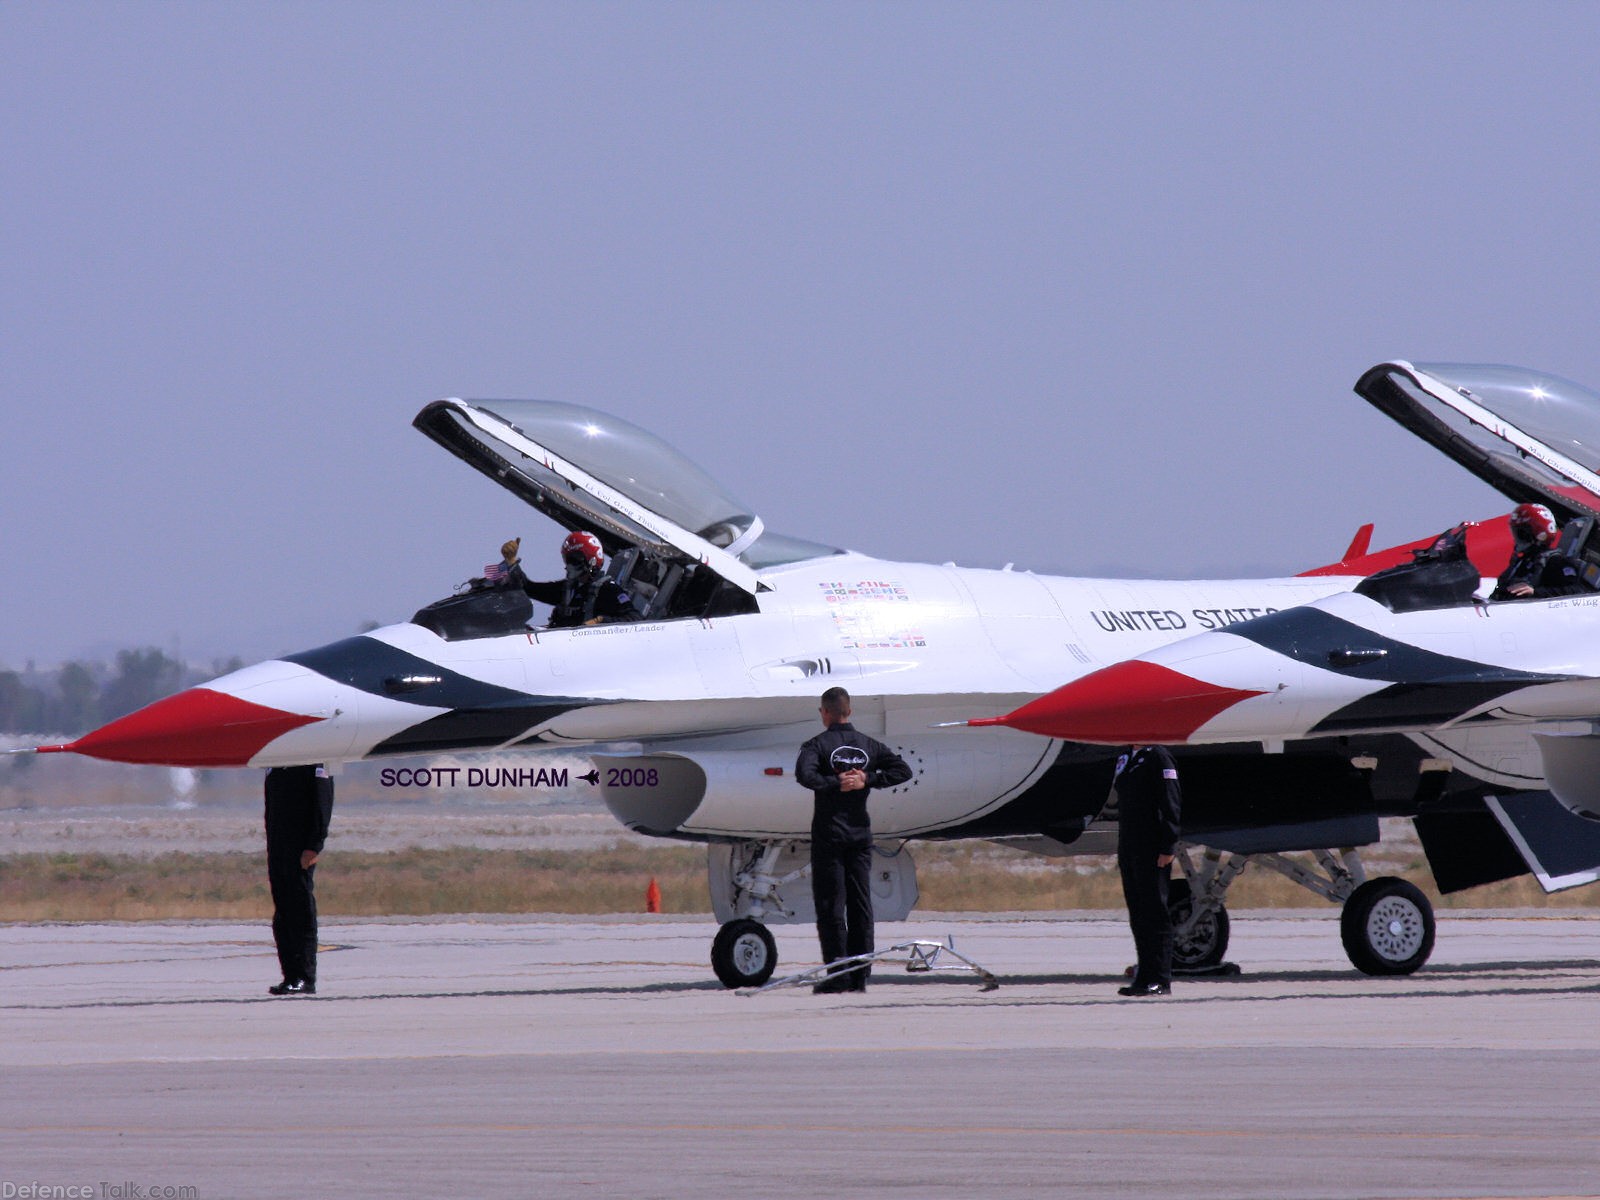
(1129,703)
(196,728)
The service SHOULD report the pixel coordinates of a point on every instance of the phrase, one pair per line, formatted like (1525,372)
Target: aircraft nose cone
(196,728)
(1128,703)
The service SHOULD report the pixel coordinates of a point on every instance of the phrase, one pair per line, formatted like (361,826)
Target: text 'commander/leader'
(841,766)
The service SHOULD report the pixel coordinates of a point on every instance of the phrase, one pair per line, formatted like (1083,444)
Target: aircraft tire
(1207,943)
(744,954)
(1387,927)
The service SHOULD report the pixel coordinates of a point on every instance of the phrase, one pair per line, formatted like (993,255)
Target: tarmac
(554,1057)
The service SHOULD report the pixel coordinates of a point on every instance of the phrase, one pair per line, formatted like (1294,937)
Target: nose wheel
(744,954)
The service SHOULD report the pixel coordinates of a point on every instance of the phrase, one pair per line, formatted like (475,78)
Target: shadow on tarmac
(1518,976)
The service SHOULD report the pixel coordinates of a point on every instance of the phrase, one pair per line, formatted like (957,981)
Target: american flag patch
(495,572)
(1168,773)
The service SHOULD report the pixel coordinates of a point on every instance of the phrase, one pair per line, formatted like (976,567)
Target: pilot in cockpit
(586,596)
(1537,568)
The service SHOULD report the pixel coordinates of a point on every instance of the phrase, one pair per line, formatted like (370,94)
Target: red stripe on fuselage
(1128,703)
(196,728)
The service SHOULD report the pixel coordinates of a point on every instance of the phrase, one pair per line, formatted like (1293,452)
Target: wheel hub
(750,953)
(1395,928)
(1200,941)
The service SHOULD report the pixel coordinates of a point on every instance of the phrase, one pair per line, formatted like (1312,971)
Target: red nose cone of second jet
(196,728)
(1130,703)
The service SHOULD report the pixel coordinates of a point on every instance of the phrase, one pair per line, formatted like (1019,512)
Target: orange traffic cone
(652,896)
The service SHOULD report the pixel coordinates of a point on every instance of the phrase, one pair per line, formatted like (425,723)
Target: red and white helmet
(583,549)
(1533,525)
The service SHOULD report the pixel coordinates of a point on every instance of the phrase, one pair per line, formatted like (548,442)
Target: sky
(1078,286)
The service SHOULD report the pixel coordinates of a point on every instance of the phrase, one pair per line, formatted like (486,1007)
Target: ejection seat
(649,582)
(1576,542)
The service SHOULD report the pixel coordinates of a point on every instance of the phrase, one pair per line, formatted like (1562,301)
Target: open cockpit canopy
(589,470)
(1532,436)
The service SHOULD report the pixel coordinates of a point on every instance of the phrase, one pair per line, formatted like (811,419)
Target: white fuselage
(915,644)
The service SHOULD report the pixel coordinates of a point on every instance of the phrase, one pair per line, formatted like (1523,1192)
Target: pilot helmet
(1533,525)
(583,549)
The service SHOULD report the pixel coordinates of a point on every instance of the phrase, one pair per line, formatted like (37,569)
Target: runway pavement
(557,1057)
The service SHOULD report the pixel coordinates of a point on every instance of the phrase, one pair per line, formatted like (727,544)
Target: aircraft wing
(1559,846)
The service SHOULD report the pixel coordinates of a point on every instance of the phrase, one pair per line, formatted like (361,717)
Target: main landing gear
(1386,924)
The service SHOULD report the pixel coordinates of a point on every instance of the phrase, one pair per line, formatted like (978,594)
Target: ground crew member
(1149,804)
(298,811)
(841,766)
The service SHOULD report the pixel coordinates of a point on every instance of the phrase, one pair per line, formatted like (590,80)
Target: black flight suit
(298,811)
(841,836)
(1149,806)
(579,601)
(1548,572)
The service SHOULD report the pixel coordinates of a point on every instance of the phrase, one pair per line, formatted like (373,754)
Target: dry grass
(72,887)
(958,877)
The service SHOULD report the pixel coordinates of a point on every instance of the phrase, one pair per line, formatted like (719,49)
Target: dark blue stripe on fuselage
(482,715)
(366,663)
(1427,688)
(1310,635)
(1412,706)
(473,729)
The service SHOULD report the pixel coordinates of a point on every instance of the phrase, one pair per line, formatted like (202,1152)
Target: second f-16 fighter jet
(1489,663)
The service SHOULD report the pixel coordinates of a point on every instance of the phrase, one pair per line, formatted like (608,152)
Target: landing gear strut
(744,953)
(755,884)
(1386,925)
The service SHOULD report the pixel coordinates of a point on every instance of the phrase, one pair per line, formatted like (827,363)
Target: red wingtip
(196,728)
(1129,703)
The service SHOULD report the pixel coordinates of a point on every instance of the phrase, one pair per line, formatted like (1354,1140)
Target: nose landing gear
(744,954)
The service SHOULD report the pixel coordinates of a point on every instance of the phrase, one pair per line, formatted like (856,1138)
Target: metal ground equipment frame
(922,957)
